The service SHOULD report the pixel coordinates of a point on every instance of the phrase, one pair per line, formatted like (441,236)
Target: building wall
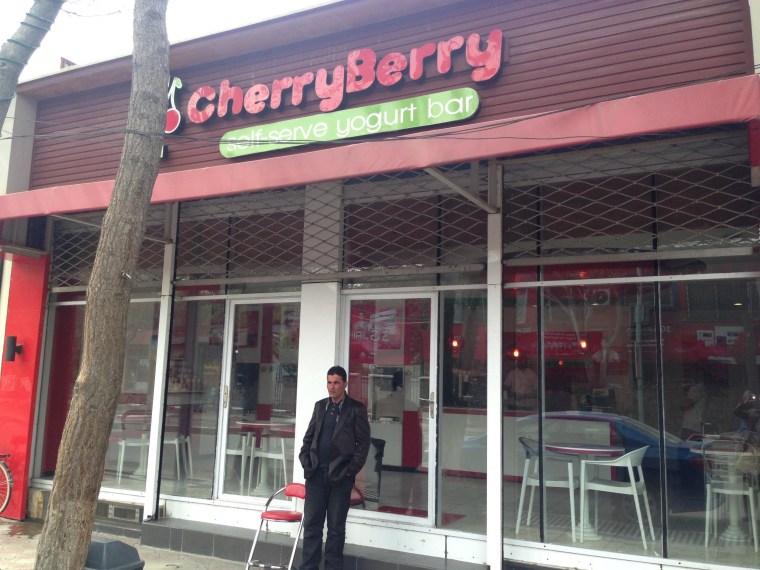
(557,55)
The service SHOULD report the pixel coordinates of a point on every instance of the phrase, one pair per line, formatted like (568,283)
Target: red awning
(715,103)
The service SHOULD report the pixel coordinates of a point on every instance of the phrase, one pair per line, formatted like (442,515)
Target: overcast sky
(103,28)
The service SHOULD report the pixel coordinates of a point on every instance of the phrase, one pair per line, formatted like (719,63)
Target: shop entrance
(391,361)
(258,401)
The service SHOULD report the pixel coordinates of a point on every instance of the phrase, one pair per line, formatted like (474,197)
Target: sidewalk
(18,548)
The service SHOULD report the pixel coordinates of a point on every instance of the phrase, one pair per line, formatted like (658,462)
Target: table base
(734,535)
(589,533)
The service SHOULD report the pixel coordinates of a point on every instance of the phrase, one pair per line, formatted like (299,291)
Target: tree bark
(66,535)
(15,53)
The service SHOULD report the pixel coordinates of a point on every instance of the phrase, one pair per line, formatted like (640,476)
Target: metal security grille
(394,223)
(414,220)
(682,194)
(722,302)
(75,240)
(242,236)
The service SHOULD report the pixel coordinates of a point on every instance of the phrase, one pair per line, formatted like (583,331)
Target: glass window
(463,437)
(709,339)
(389,371)
(606,366)
(580,388)
(192,398)
(126,458)
(262,383)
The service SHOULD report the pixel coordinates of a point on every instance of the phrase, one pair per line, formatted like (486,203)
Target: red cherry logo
(173,118)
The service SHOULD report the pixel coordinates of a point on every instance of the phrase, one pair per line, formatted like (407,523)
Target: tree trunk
(15,53)
(81,457)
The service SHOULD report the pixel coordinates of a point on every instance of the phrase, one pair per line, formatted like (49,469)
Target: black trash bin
(107,554)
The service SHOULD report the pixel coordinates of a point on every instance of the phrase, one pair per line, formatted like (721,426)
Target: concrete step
(232,543)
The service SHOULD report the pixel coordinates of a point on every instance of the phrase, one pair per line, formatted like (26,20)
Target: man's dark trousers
(334,499)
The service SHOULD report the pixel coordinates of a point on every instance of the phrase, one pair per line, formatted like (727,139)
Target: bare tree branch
(15,53)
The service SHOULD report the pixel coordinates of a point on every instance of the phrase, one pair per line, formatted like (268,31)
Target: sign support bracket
(482,204)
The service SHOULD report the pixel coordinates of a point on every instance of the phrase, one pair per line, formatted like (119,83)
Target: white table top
(595,449)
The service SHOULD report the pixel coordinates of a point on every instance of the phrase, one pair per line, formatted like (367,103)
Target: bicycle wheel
(6,483)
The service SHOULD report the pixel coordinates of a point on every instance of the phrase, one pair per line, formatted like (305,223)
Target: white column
(319,341)
(754,18)
(317,351)
(159,379)
(494,419)
(16,147)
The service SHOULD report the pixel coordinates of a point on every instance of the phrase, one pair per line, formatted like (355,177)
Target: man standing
(334,450)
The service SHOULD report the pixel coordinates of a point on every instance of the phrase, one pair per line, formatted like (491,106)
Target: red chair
(291,491)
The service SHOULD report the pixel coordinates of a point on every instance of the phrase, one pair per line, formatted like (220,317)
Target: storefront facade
(523,229)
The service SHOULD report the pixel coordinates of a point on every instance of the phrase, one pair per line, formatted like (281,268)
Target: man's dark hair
(338,371)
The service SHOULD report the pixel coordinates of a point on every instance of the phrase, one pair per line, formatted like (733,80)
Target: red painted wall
(19,379)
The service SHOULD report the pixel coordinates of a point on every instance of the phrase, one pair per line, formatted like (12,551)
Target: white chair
(135,428)
(135,425)
(552,478)
(241,448)
(272,448)
(173,435)
(722,477)
(182,452)
(635,486)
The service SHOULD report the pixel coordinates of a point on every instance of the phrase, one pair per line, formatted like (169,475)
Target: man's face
(336,387)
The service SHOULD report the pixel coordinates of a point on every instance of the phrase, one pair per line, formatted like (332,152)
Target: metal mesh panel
(412,219)
(689,193)
(241,236)
(75,241)
(390,222)
(727,301)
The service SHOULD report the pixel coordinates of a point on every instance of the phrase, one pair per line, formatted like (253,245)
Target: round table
(259,432)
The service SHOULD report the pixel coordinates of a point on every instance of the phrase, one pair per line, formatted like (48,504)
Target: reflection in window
(463,438)
(192,398)
(261,422)
(126,458)
(389,371)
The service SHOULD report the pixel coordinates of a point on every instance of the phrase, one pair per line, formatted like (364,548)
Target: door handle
(431,407)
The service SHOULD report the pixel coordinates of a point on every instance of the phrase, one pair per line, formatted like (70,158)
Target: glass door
(391,356)
(258,397)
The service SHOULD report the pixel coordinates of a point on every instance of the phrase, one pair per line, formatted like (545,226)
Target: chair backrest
(748,464)
(530,447)
(721,457)
(135,420)
(374,470)
(295,490)
(632,458)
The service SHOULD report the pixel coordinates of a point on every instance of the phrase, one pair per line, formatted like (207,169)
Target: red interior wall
(66,355)
(18,379)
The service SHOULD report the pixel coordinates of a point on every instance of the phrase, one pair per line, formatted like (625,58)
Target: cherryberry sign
(363,69)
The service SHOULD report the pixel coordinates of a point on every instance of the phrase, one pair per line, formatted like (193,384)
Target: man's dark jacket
(350,442)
